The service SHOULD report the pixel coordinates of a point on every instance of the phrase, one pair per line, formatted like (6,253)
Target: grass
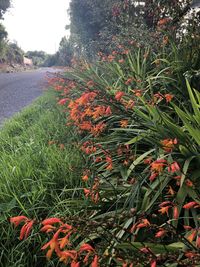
(37,176)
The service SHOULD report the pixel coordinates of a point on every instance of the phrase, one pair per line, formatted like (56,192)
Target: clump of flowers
(60,242)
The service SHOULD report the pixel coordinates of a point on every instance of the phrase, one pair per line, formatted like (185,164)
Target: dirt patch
(10,68)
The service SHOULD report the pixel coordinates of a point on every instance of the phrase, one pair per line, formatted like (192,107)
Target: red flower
(86,192)
(144,223)
(53,245)
(190,205)
(198,242)
(25,230)
(47,228)
(153,263)
(187,227)
(86,247)
(174,167)
(75,264)
(164,203)
(18,219)
(51,221)
(160,233)
(95,262)
(108,111)
(153,176)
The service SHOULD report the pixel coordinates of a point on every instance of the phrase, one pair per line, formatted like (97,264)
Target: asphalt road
(18,90)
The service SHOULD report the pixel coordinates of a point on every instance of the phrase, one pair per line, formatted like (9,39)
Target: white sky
(37,24)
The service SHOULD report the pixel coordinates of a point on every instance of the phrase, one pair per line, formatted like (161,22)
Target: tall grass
(39,170)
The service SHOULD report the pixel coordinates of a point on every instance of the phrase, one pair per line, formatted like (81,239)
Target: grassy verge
(39,171)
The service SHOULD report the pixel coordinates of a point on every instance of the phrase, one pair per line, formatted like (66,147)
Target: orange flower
(175,213)
(62,101)
(192,236)
(98,128)
(168,144)
(53,246)
(171,191)
(144,223)
(64,256)
(164,210)
(51,221)
(138,93)
(85,178)
(124,123)
(158,165)
(86,247)
(168,97)
(86,192)
(26,228)
(18,219)
(119,95)
(48,228)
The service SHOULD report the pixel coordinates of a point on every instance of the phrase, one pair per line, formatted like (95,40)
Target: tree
(38,57)
(95,22)
(65,52)
(4,5)
(14,54)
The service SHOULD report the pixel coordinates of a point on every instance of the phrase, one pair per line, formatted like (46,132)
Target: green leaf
(138,161)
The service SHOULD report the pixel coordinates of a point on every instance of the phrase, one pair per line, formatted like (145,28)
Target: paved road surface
(18,90)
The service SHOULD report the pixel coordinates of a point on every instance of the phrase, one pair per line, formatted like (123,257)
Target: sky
(37,24)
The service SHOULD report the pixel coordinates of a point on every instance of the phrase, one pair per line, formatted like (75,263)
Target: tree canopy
(4,5)
(95,22)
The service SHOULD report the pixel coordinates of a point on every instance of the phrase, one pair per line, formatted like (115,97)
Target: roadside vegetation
(39,166)
(107,173)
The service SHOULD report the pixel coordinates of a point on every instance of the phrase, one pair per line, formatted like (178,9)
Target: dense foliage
(94,23)
(4,5)
(133,114)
